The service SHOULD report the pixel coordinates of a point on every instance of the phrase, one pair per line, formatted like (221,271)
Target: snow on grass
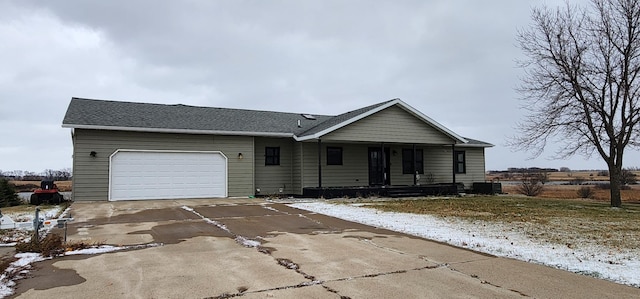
(27,215)
(622,266)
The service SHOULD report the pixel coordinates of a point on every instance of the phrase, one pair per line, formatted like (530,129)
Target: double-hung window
(334,155)
(460,162)
(408,162)
(272,156)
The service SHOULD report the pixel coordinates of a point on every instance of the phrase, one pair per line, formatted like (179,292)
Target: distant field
(29,186)
(571,192)
(563,176)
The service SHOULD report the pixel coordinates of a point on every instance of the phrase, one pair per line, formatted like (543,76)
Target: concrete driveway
(209,249)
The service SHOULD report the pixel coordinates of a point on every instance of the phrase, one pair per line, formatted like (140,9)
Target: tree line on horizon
(63,174)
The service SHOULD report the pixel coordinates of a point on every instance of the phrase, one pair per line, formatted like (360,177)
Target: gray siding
(439,163)
(91,175)
(270,178)
(354,170)
(297,171)
(390,125)
(475,166)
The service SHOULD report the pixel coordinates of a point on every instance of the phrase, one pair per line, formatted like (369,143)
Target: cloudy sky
(453,60)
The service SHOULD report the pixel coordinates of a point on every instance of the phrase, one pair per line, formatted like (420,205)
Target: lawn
(567,222)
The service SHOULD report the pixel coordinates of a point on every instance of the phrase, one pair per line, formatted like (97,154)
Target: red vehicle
(48,192)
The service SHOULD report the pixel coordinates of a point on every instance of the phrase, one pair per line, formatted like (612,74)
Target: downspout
(384,165)
(319,163)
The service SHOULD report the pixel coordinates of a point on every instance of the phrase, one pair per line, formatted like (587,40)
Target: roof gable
(348,118)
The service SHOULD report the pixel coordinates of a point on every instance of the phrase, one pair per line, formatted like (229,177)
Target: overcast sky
(453,60)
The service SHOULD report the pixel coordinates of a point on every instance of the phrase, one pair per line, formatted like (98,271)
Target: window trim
(419,163)
(460,162)
(331,161)
(272,159)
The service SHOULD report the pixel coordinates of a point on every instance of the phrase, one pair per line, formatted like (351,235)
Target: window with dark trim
(271,156)
(407,161)
(460,162)
(334,155)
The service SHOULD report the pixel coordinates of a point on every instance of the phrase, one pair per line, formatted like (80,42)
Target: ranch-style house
(137,151)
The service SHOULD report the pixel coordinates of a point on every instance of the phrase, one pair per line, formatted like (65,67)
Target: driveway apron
(252,248)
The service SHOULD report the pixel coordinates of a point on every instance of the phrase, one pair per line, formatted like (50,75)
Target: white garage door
(136,175)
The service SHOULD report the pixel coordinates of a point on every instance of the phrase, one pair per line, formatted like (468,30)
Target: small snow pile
(247,242)
(109,248)
(16,270)
(496,239)
(216,223)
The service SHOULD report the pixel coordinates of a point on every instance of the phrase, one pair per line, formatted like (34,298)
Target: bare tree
(582,82)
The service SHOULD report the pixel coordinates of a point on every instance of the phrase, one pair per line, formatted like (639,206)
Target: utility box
(487,188)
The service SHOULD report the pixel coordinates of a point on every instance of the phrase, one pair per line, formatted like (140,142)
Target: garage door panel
(160,175)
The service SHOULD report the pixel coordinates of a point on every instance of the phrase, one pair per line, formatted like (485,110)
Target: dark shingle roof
(99,113)
(116,115)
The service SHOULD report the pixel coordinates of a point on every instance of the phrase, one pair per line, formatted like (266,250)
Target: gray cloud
(454,61)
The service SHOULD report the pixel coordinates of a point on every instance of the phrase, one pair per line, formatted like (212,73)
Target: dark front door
(379,170)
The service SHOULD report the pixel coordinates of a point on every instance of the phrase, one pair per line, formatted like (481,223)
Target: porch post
(384,165)
(453,155)
(413,165)
(319,163)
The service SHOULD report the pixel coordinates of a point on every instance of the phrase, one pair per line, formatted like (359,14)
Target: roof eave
(475,145)
(179,131)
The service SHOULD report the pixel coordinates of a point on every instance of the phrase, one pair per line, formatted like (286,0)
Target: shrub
(51,245)
(530,188)
(531,185)
(8,195)
(585,192)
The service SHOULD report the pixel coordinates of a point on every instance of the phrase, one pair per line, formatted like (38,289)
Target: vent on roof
(309,116)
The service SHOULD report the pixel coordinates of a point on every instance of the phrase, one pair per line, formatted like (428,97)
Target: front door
(379,170)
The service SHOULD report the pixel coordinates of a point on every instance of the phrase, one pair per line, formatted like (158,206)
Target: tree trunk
(615,180)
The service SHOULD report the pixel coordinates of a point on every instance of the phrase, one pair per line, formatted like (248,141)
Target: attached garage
(140,174)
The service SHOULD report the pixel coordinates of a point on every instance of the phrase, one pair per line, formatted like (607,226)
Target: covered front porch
(364,169)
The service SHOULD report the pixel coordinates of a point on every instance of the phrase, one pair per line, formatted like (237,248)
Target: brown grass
(30,186)
(567,176)
(571,192)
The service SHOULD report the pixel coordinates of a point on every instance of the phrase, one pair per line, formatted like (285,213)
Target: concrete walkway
(209,249)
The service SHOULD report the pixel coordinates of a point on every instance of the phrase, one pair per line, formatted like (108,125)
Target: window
(460,162)
(334,155)
(407,161)
(272,156)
